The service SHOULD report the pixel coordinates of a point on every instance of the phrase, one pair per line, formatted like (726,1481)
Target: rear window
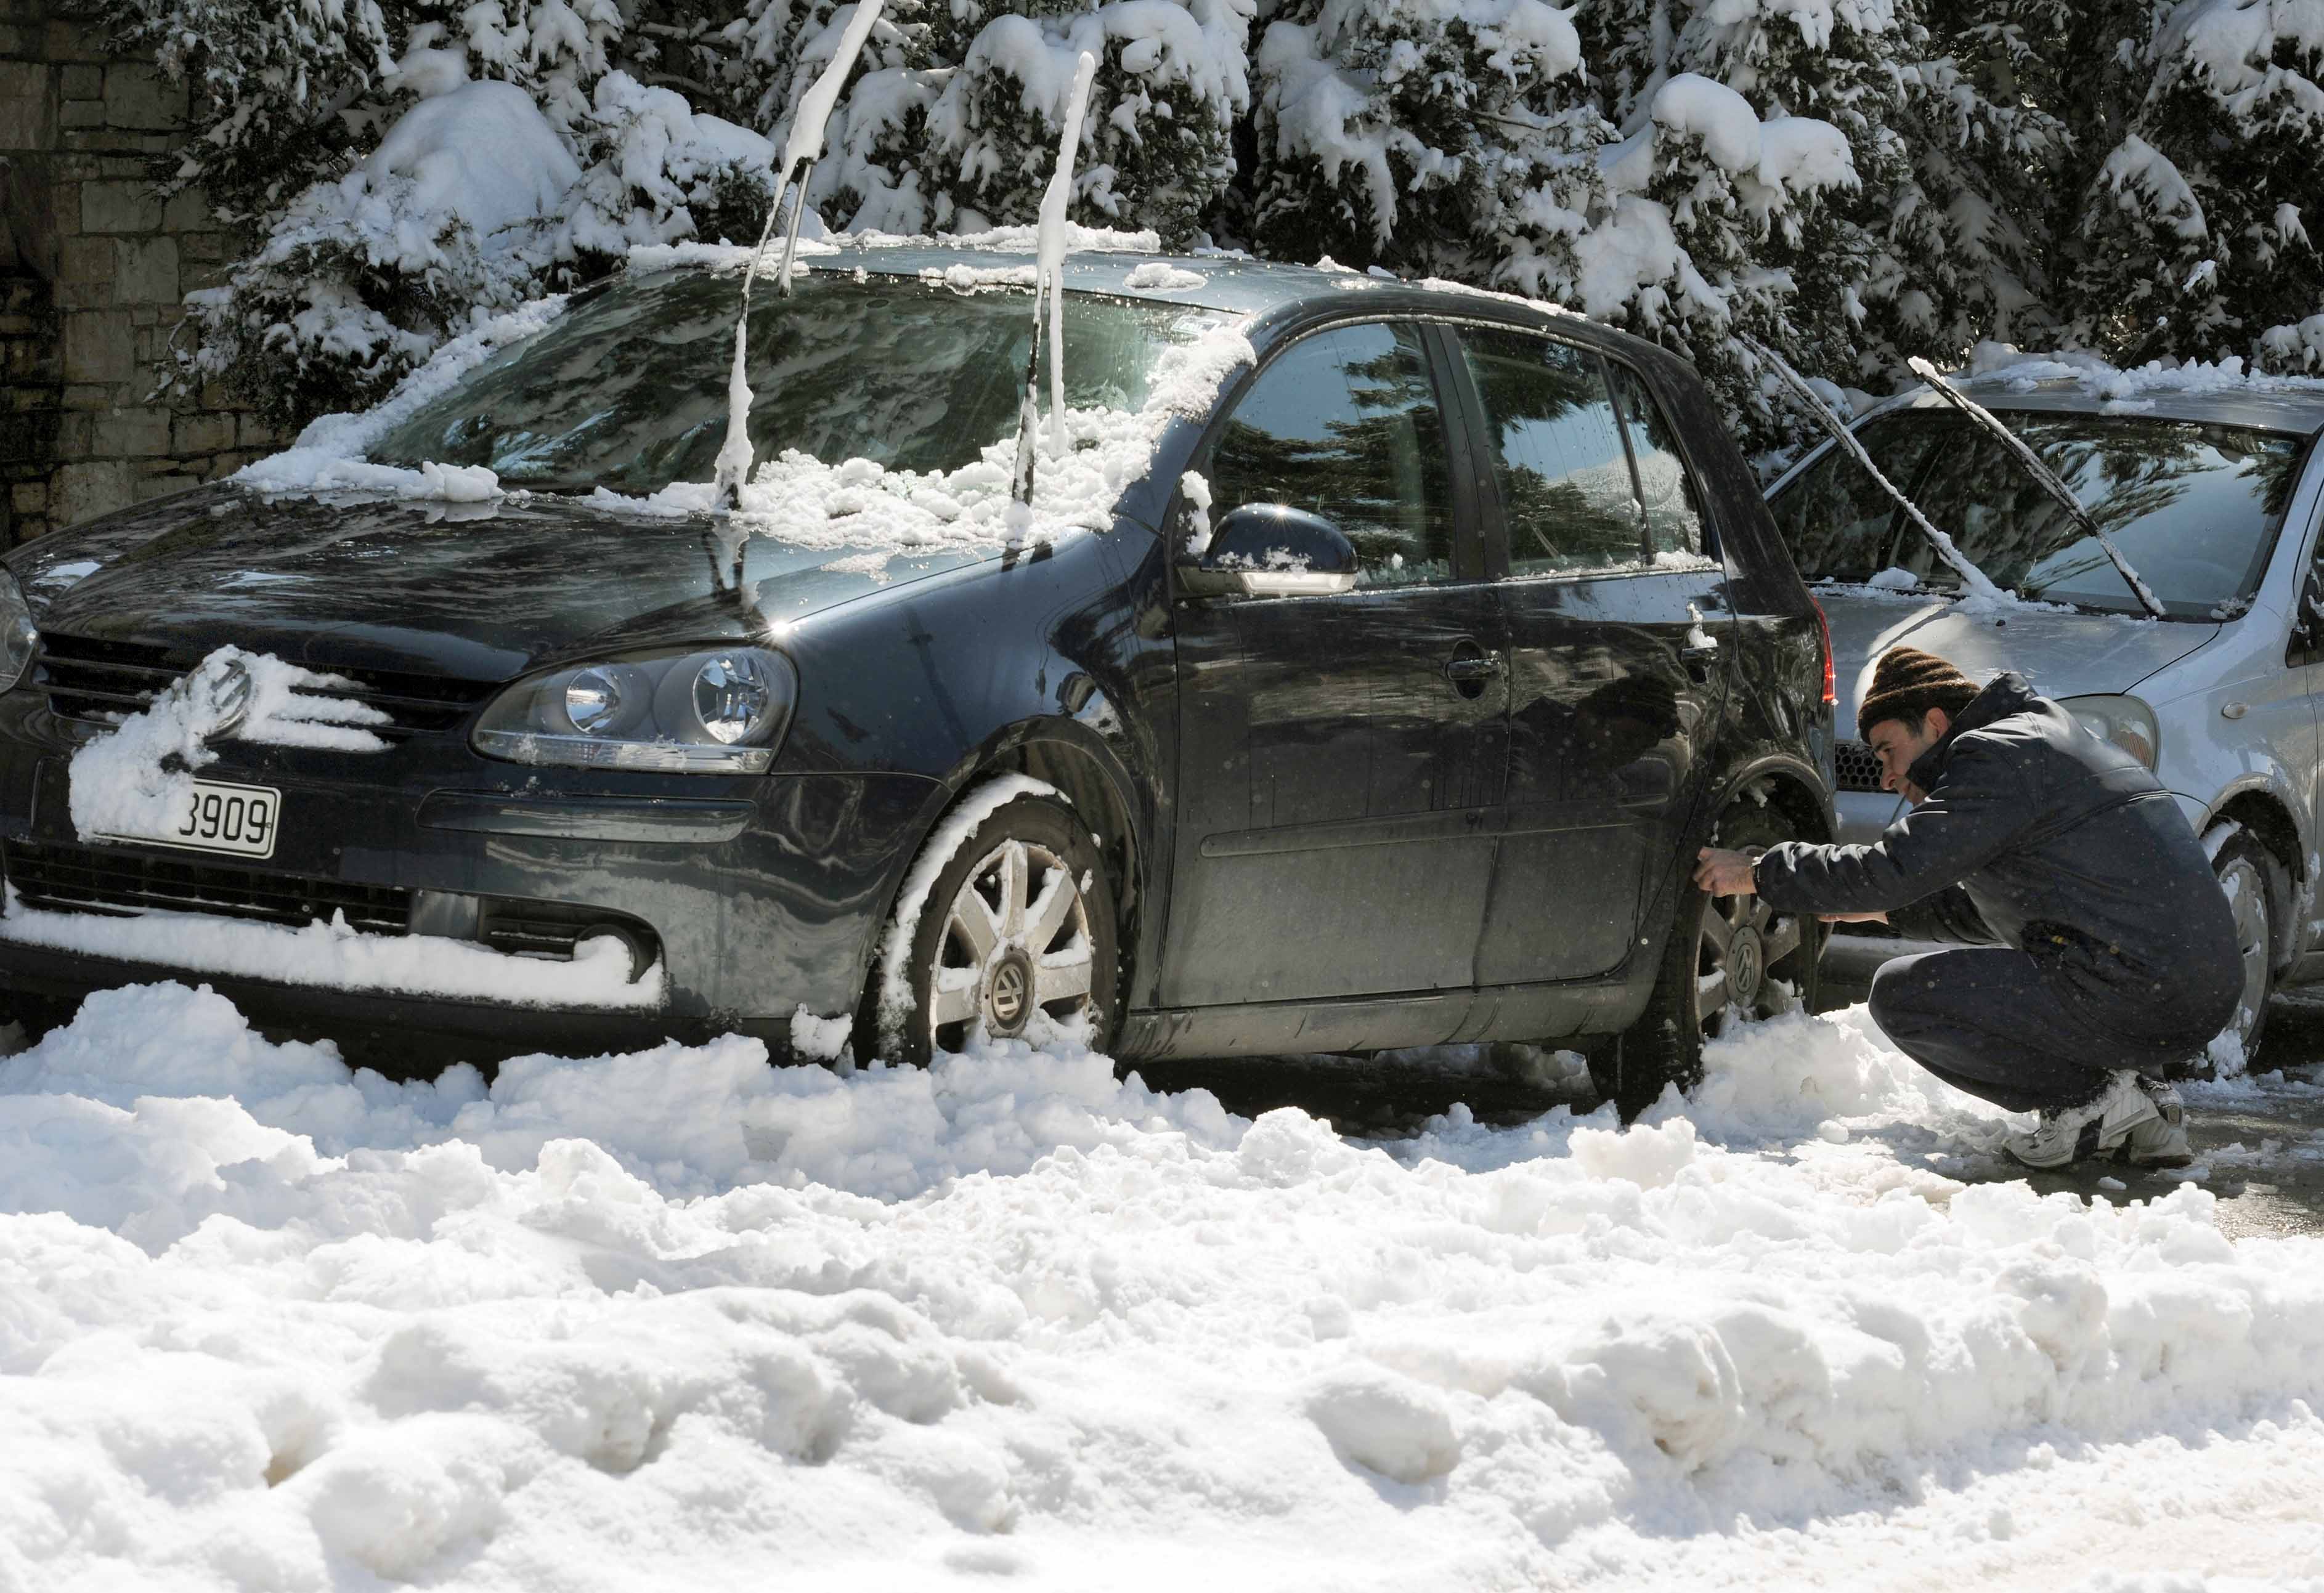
(627,391)
(2194,507)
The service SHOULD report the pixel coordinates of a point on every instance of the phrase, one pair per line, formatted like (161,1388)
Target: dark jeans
(1983,1019)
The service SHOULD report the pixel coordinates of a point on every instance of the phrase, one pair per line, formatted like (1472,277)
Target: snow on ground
(684,1319)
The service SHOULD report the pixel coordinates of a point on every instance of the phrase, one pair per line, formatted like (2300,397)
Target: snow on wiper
(1975,580)
(2043,474)
(1049,287)
(799,150)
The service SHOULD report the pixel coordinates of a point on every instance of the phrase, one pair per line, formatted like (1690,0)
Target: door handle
(1474,667)
(1698,661)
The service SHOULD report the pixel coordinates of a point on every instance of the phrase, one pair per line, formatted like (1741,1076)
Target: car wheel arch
(2259,810)
(1068,758)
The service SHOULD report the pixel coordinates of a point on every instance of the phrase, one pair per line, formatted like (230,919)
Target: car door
(1341,755)
(1619,639)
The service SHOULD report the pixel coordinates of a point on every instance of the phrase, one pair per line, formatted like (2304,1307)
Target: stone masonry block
(187,211)
(161,486)
(148,271)
(28,497)
(83,112)
(132,433)
(99,347)
(24,106)
(66,40)
(80,490)
(88,396)
(137,96)
(86,260)
(200,434)
(84,83)
(119,206)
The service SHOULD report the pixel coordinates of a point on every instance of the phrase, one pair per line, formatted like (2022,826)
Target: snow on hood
(2060,653)
(682,1317)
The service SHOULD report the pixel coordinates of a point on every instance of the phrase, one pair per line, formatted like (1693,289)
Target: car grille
(1856,767)
(110,881)
(116,882)
(97,682)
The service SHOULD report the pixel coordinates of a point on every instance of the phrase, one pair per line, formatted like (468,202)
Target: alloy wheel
(2246,890)
(1016,957)
(1743,945)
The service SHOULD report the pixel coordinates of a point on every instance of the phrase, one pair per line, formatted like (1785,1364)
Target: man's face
(1899,745)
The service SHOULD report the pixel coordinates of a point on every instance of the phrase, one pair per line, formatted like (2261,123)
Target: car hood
(474,592)
(2062,655)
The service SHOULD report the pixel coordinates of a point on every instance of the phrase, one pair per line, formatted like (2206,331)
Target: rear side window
(1673,507)
(1567,489)
(1345,424)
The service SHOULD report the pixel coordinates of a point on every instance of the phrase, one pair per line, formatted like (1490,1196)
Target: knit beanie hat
(1906,683)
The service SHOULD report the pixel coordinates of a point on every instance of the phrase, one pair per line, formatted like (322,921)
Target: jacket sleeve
(1948,915)
(1981,805)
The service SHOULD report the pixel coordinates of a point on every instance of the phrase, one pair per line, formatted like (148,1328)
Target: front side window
(1344,424)
(1566,490)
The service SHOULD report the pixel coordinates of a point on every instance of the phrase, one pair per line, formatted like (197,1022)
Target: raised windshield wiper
(2042,475)
(1048,291)
(799,149)
(1972,578)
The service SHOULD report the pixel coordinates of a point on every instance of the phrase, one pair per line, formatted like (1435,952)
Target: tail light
(1831,680)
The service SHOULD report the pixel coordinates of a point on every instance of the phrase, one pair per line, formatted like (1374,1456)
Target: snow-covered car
(2209,485)
(1377,698)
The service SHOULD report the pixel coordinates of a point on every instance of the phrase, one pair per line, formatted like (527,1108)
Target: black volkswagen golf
(1372,690)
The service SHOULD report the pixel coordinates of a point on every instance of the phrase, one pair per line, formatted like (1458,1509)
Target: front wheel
(1015,940)
(2248,875)
(1729,960)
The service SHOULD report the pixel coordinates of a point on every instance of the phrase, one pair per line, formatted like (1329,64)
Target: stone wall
(94,265)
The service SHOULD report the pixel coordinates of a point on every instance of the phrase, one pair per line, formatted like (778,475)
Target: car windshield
(628,390)
(2193,507)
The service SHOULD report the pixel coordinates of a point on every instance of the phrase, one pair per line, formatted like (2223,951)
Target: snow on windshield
(882,403)
(646,1319)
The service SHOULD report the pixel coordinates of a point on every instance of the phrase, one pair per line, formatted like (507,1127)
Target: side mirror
(1271,550)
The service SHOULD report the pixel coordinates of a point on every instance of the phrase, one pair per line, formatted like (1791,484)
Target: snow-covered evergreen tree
(2195,222)
(1454,140)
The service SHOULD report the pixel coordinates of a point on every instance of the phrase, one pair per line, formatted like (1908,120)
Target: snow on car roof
(2222,393)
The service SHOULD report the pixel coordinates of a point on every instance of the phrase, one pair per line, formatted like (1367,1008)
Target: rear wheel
(1016,940)
(1729,960)
(2248,875)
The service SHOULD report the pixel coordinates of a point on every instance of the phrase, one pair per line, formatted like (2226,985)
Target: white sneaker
(2161,1142)
(2073,1133)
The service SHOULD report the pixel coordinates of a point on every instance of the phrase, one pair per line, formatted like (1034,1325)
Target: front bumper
(761,894)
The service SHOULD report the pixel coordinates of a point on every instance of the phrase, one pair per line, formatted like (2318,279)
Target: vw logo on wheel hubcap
(1010,997)
(1746,967)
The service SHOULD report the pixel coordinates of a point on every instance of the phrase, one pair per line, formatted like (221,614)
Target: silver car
(2211,498)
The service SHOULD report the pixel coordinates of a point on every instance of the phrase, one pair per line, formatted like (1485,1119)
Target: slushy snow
(682,1317)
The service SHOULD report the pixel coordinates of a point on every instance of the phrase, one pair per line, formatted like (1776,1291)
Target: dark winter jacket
(2062,846)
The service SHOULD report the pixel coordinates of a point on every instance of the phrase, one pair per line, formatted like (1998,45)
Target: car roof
(1231,281)
(2260,403)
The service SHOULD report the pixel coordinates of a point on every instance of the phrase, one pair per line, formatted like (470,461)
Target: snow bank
(2002,366)
(683,1317)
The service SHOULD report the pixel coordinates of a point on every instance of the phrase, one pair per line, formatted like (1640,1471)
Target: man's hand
(1722,872)
(1852,917)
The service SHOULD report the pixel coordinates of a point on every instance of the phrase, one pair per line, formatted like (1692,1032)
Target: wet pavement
(2258,1139)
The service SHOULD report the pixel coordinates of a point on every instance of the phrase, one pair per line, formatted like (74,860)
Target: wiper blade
(1972,578)
(2044,477)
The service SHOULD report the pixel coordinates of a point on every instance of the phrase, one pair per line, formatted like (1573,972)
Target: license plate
(237,819)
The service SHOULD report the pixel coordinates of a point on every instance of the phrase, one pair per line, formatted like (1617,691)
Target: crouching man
(2105,949)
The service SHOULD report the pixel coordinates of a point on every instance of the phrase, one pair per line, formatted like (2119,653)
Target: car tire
(2249,876)
(1767,959)
(973,962)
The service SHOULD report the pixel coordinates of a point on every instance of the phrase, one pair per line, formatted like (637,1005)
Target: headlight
(2127,722)
(19,638)
(720,710)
